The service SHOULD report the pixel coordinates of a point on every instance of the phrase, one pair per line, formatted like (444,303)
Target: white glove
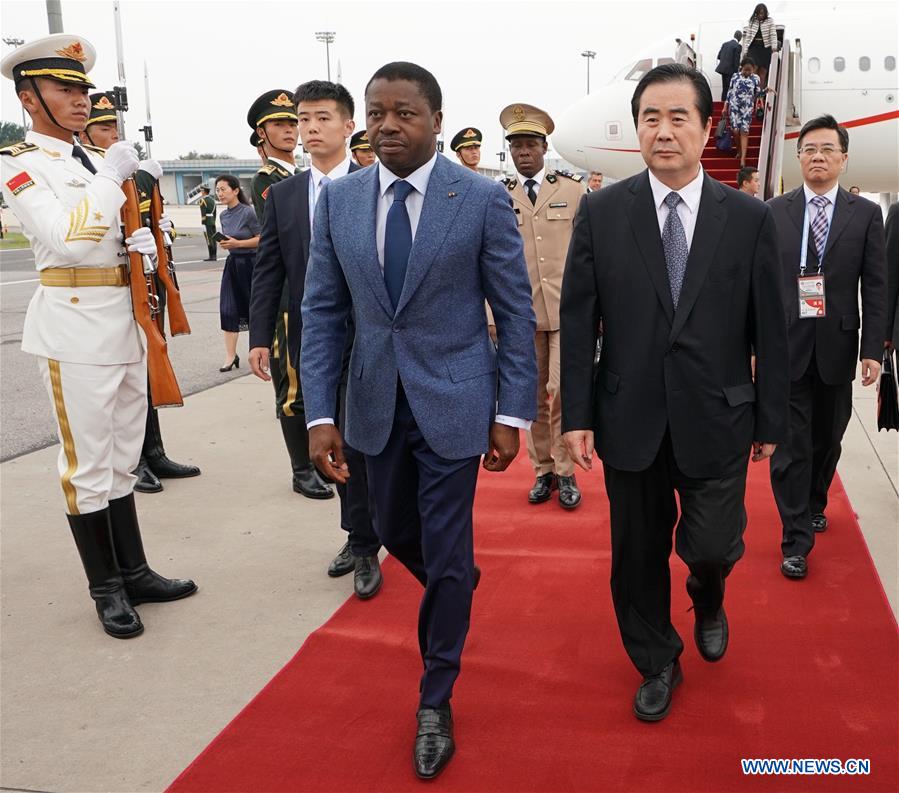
(142,241)
(165,225)
(120,162)
(151,167)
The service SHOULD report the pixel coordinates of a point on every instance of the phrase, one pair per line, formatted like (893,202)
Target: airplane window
(640,68)
(814,65)
(864,63)
(889,63)
(839,64)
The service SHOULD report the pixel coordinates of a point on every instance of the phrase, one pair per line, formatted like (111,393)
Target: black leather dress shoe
(819,522)
(147,481)
(710,632)
(434,744)
(794,567)
(367,579)
(653,699)
(569,493)
(308,482)
(164,468)
(343,563)
(543,489)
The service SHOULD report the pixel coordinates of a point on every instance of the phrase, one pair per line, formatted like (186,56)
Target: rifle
(164,389)
(178,324)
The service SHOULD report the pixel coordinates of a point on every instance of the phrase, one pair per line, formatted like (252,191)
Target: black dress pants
(709,539)
(803,468)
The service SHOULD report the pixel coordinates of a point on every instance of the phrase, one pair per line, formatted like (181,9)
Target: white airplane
(843,63)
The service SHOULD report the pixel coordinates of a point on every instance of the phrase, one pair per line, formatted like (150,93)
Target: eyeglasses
(827,150)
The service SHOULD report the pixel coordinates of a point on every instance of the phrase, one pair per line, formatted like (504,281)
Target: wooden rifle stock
(178,324)
(164,390)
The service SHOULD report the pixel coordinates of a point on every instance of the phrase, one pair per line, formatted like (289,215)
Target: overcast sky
(209,59)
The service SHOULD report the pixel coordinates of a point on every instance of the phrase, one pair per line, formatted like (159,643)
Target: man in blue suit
(413,247)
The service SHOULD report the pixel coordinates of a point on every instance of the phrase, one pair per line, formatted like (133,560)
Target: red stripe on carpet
(544,699)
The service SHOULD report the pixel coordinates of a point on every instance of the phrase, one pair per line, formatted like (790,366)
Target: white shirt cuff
(522,424)
(315,423)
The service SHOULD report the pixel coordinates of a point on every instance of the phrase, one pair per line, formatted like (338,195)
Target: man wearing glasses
(843,242)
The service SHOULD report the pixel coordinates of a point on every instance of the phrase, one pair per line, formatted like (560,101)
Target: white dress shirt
(537,177)
(315,182)
(289,167)
(687,209)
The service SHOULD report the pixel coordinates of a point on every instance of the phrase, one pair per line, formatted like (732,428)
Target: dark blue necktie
(397,242)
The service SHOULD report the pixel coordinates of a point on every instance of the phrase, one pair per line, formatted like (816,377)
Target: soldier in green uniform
(102,131)
(273,119)
(207,218)
(360,149)
(467,145)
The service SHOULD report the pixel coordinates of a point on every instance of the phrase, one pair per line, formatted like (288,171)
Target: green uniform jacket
(264,178)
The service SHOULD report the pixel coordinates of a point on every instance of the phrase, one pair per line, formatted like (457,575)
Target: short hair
(675,72)
(595,173)
(738,35)
(205,187)
(319,90)
(825,122)
(747,61)
(403,70)
(745,175)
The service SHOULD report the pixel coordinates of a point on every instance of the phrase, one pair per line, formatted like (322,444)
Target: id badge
(811,296)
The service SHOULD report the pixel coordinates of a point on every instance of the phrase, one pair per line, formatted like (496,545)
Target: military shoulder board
(509,183)
(267,169)
(94,149)
(18,148)
(568,175)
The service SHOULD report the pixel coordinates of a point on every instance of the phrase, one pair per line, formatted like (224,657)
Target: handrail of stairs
(771,148)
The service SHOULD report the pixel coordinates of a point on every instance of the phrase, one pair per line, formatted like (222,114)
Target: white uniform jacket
(71,218)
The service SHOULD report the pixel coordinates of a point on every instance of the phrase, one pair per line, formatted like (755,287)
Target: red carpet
(544,699)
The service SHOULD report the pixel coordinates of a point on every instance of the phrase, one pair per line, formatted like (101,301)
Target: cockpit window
(639,69)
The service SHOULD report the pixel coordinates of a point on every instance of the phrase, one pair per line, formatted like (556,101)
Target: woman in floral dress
(744,89)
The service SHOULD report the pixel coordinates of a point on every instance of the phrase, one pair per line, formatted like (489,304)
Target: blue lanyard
(803,253)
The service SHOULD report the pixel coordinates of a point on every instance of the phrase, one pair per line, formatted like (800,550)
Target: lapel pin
(451,195)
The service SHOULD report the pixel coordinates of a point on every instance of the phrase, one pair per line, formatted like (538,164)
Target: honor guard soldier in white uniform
(102,131)
(467,145)
(80,322)
(544,203)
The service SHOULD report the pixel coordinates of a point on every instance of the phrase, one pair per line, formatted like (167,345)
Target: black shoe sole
(539,500)
(313,496)
(131,635)
(659,716)
(794,576)
(177,476)
(575,505)
(140,489)
(136,601)
(438,771)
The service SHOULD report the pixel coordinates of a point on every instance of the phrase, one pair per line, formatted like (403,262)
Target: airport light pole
(13,42)
(589,55)
(327,36)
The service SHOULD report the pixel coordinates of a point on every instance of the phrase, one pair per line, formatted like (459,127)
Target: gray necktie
(674,241)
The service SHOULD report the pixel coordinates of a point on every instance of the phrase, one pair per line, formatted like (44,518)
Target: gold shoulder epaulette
(18,148)
(266,169)
(568,175)
(94,149)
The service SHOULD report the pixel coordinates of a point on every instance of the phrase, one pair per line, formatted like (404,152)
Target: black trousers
(725,85)
(211,244)
(709,539)
(423,515)
(803,468)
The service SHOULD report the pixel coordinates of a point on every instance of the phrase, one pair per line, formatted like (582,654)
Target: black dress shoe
(653,699)
(543,489)
(367,578)
(710,632)
(308,482)
(164,468)
(434,745)
(794,567)
(569,494)
(147,481)
(343,563)
(477,577)
(819,522)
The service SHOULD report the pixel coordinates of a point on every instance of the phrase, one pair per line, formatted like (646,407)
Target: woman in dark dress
(759,41)
(241,227)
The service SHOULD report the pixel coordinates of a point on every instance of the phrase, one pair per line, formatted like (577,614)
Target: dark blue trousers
(423,516)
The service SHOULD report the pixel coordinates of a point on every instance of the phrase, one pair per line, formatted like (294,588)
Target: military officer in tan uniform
(545,203)
(467,145)
(79,322)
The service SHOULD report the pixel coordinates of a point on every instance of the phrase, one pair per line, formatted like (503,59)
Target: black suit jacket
(283,252)
(855,251)
(729,57)
(891,228)
(686,370)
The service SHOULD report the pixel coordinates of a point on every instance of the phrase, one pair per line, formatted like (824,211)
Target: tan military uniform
(546,230)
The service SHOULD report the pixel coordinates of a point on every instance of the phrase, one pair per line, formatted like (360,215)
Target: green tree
(141,154)
(11,133)
(193,154)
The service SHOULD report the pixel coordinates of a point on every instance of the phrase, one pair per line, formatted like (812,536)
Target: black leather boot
(142,584)
(306,479)
(154,453)
(147,481)
(95,547)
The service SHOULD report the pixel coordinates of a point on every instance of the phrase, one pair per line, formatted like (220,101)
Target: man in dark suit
(682,274)
(729,61)
(891,231)
(325,119)
(843,236)
(413,247)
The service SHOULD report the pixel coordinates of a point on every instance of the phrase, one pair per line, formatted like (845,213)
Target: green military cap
(63,57)
(470,136)
(359,141)
(102,108)
(521,119)
(272,105)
